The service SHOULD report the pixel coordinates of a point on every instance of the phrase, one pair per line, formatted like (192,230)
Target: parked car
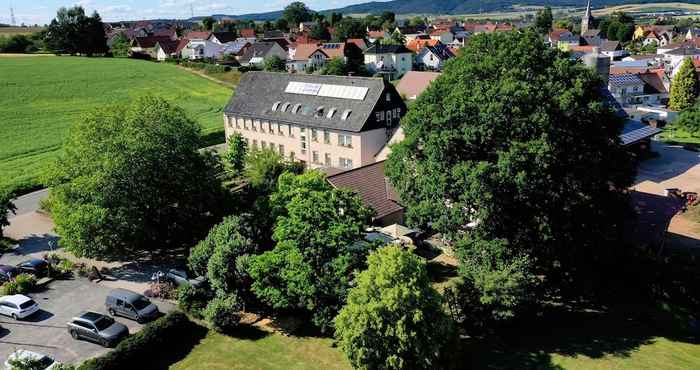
(179,277)
(97,328)
(36,267)
(131,305)
(17,306)
(47,362)
(8,272)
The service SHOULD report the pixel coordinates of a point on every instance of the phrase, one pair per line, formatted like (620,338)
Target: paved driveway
(674,168)
(45,332)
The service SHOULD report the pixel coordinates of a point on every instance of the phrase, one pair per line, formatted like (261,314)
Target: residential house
(592,37)
(270,35)
(317,55)
(373,36)
(222,37)
(247,34)
(445,36)
(409,33)
(170,49)
(413,83)
(306,26)
(360,43)
(674,58)
(692,33)
(613,49)
(375,190)
(665,31)
(649,88)
(258,52)
(198,49)
(563,39)
(417,44)
(324,121)
(433,57)
(657,39)
(147,45)
(236,48)
(392,61)
(198,35)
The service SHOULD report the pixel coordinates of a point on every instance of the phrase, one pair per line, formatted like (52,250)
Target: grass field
(42,97)
(10,31)
(262,350)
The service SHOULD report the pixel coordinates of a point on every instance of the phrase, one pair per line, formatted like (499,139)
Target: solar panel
(343,92)
(633,136)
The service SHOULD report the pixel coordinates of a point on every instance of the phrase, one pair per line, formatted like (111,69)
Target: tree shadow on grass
(248,332)
(179,348)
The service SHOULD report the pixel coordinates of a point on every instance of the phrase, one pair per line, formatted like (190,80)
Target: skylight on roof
(296,108)
(331,112)
(346,114)
(285,106)
(275,105)
(327,90)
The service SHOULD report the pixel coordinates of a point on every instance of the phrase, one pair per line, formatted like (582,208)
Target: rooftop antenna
(13,21)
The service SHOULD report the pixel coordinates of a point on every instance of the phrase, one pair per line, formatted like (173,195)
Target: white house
(392,60)
(433,57)
(442,35)
(202,49)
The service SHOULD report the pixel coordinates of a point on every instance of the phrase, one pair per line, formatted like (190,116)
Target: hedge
(159,344)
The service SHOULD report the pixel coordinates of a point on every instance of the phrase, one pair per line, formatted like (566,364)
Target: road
(29,202)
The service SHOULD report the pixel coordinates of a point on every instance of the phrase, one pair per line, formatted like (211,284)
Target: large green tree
(689,120)
(296,13)
(317,231)
(130,178)
(393,318)
(6,207)
(543,20)
(120,46)
(73,32)
(515,141)
(685,87)
(275,64)
(235,157)
(349,28)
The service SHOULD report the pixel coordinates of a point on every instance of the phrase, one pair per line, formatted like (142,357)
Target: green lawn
(262,350)
(41,97)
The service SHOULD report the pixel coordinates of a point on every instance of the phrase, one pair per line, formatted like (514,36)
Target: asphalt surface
(45,331)
(29,202)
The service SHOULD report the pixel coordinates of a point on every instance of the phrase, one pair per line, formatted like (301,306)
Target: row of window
(315,157)
(269,127)
(305,110)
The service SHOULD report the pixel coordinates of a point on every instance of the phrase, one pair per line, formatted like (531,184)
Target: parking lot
(46,332)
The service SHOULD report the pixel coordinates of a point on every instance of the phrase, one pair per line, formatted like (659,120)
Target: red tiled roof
(359,42)
(181,44)
(416,44)
(169,47)
(197,35)
(247,32)
(150,41)
(372,186)
(413,83)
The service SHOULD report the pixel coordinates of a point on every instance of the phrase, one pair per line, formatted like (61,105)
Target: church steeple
(587,19)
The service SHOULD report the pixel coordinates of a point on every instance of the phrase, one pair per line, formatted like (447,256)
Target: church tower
(587,19)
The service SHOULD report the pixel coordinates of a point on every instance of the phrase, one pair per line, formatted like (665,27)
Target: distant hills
(444,7)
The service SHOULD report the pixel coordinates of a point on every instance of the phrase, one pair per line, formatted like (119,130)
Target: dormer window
(276,105)
(285,106)
(331,113)
(346,114)
(319,111)
(296,108)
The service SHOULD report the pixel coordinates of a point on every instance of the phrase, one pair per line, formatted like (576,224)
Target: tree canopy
(120,46)
(130,179)
(275,64)
(6,207)
(73,32)
(543,20)
(349,28)
(296,13)
(320,32)
(515,141)
(685,87)
(312,263)
(393,318)
(689,120)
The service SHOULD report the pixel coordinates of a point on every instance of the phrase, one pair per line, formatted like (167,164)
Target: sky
(42,11)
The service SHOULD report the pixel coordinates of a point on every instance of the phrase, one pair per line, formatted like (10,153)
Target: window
(328,160)
(346,114)
(331,113)
(285,106)
(255,125)
(238,123)
(302,129)
(303,144)
(326,137)
(345,140)
(279,129)
(296,108)
(345,163)
(291,155)
(289,128)
(319,111)
(280,149)
(245,124)
(314,135)
(275,105)
(314,155)
(262,126)
(229,121)
(388,96)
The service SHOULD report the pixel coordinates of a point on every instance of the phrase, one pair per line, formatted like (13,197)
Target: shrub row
(207,67)
(22,284)
(158,343)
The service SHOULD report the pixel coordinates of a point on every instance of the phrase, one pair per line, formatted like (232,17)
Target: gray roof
(684,50)
(635,131)
(625,79)
(609,45)
(257,93)
(387,49)
(258,49)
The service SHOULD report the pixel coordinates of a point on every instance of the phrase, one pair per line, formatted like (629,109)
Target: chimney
(599,63)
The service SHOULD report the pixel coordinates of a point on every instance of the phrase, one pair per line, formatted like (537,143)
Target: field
(42,97)
(650,7)
(263,350)
(10,31)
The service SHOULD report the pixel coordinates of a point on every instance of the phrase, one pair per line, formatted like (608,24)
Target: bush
(156,344)
(163,290)
(222,313)
(25,283)
(193,300)
(10,288)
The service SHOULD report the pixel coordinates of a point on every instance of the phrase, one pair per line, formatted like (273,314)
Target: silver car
(97,328)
